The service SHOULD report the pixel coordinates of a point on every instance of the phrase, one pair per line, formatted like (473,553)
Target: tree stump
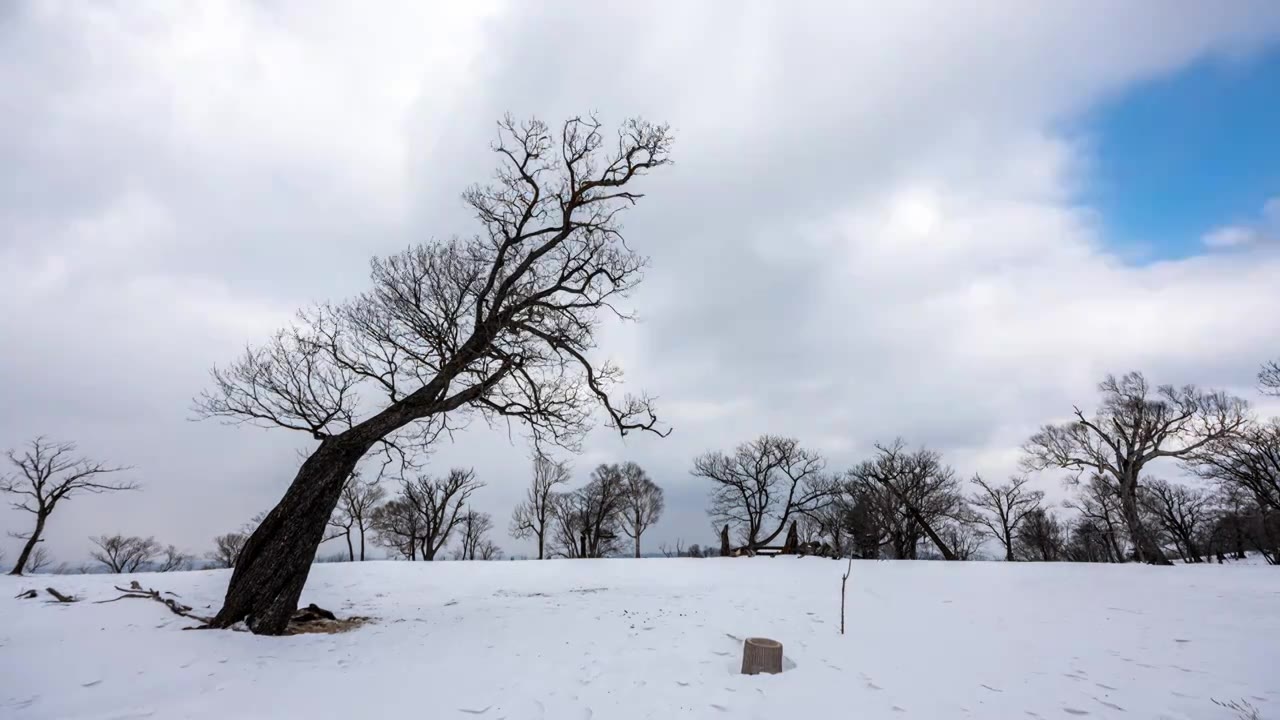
(761,655)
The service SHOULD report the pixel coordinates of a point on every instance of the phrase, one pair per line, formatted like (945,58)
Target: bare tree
(1183,512)
(1041,537)
(1133,427)
(39,560)
(46,473)
(1098,501)
(927,492)
(500,325)
(963,536)
(226,549)
(1000,509)
(354,511)
(1087,541)
(473,528)
(398,525)
(533,516)
(586,522)
(1248,459)
(120,554)
(642,502)
(173,560)
(439,503)
(487,550)
(1269,378)
(762,485)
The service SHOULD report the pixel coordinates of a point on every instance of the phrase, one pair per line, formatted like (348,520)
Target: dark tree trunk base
(273,566)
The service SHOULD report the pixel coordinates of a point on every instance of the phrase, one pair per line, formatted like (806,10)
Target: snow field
(661,638)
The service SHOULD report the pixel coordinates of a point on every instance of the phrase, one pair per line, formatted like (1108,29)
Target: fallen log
(60,597)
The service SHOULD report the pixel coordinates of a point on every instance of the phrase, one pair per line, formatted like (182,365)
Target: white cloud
(871,229)
(1265,229)
(1231,236)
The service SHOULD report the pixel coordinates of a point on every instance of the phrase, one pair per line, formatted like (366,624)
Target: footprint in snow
(1075,711)
(470,711)
(91,683)
(721,708)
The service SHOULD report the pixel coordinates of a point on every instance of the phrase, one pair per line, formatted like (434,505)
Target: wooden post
(761,655)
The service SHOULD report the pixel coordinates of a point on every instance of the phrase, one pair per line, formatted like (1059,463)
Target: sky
(940,221)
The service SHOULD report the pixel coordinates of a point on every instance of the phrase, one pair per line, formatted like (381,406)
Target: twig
(135,591)
(844,579)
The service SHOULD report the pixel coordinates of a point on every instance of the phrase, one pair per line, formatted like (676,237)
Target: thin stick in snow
(844,579)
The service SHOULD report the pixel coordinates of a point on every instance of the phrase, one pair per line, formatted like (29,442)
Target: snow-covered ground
(622,639)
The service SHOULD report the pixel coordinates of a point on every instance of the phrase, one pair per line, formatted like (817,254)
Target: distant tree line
(899,502)
(907,503)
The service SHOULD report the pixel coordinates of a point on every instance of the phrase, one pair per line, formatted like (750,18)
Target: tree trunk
(30,547)
(541,544)
(272,568)
(362,542)
(351,551)
(1146,548)
(637,546)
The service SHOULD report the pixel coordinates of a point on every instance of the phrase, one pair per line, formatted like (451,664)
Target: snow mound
(630,639)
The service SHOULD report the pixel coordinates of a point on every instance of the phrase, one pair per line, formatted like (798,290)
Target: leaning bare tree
(46,473)
(121,554)
(1000,509)
(762,485)
(501,325)
(1133,427)
(533,516)
(354,512)
(642,502)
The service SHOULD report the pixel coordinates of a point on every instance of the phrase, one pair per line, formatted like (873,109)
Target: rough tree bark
(273,566)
